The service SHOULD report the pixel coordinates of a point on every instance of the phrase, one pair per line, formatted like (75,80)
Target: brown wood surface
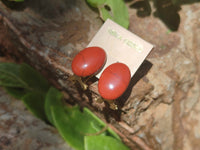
(160,110)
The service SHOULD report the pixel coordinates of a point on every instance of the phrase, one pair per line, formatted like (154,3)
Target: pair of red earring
(113,81)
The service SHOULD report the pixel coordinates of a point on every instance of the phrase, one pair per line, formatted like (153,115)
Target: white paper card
(121,45)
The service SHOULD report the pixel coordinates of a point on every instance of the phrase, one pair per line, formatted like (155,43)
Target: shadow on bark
(166,10)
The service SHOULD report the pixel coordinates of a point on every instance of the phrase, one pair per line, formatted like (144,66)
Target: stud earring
(87,63)
(113,82)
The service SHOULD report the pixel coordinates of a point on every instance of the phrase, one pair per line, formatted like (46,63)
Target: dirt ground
(161,107)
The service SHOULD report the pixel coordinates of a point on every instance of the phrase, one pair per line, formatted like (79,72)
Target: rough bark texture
(161,107)
(20,130)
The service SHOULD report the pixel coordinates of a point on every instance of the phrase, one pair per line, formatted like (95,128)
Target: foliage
(113,9)
(103,143)
(80,129)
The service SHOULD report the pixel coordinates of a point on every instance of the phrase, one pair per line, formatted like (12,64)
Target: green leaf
(9,81)
(96,3)
(66,129)
(116,10)
(74,125)
(33,78)
(35,103)
(16,92)
(10,76)
(84,122)
(103,143)
(109,132)
(174,2)
(52,99)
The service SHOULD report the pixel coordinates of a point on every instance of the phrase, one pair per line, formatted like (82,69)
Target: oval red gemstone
(114,81)
(88,61)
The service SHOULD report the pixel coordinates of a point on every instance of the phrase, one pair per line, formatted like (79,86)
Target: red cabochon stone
(88,61)
(114,81)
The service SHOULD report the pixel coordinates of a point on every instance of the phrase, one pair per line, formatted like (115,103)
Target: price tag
(121,45)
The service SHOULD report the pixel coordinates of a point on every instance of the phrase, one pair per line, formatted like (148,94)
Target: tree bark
(159,110)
